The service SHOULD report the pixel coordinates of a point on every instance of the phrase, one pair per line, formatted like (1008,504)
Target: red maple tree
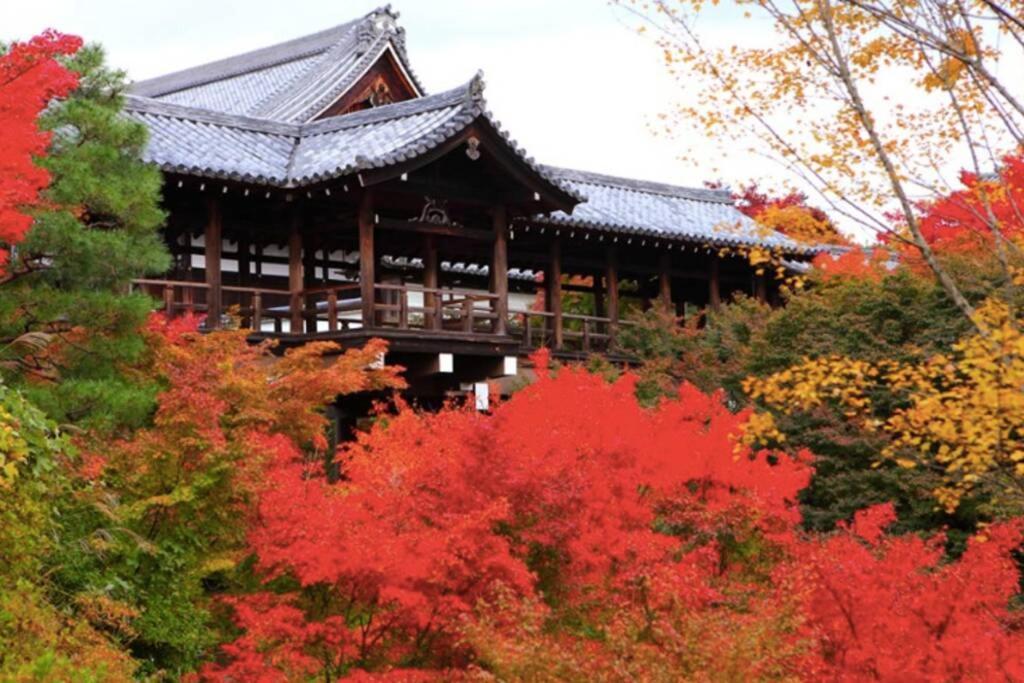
(966,220)
(30,77)
(574,530)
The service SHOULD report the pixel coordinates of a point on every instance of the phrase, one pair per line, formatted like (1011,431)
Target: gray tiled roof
(649,209)
(292,81)
(213,144)
(250,118)
(240,94)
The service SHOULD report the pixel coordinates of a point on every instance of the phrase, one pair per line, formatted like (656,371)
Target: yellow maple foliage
(962,413)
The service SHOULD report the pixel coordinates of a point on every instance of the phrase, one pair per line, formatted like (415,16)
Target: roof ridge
(150,105)
(420,105)
(310,97)
(647,186)
(467,94)
(254,60)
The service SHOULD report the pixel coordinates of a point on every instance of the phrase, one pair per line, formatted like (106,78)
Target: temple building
(315,190)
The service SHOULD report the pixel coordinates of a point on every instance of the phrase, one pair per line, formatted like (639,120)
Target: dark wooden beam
(761,288)
(665,279)
(244,259)
(491,143)
(598,291)
(431,280)
(367,257)
(553,285)
(259,259)
(309,279)
(295,274)
(434,229)
(714,284)
(445,189)
(212,239)
(611,284)
(499,269)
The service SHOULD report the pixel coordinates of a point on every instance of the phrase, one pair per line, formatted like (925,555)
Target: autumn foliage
(789,214)
(614,542)
(30,76)
(963,220)
(574,532)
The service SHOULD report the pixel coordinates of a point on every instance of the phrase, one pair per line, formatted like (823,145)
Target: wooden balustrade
(440,310)
(252,307)
(335,308)
(580,333)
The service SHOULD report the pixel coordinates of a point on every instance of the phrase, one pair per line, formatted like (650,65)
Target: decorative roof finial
(473,148)
(378,22)
(475,90)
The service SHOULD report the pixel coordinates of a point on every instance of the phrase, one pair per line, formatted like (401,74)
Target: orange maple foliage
(789,214)
(855,262)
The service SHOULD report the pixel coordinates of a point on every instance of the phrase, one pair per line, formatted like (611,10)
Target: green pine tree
(67,321)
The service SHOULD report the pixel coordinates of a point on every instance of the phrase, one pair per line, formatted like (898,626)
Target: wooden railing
(580,333)
(440,310)
(332,308)
(255,308)
(336,306)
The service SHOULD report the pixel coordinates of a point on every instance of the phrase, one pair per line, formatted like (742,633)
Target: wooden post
(599,310)
(611,284)
(309,281)
(467,314)
(665,280)
(169,300)
(212,238)
(403,308)
(295,275)
(715,283)
(761,288)
(431,278)
(553,285)
(499,269)
(332,310)
(259,260)
(367,258)
(257,311)
(243,260)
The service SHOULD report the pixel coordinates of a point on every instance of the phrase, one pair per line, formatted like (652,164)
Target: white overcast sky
(571,80)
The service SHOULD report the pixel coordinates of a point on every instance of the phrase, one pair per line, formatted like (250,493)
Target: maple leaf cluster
(30,77)
(789,214)
(963,220)
(612,542)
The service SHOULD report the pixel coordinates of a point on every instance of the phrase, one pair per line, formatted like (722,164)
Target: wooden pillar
(611,284)
(499,269)
(715,283)
(598,296)
(244,259)
(295,274)
(212,239)
(553,285)
(367,258)
(431,279)
(665,280)
(309,281)
(761,288)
